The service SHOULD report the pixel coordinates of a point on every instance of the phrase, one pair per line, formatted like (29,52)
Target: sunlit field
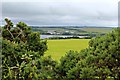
(58,48)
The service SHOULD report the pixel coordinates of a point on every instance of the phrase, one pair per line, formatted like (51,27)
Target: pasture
(98,30)
(58,48)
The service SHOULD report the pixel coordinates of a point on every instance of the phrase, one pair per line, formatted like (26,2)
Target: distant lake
(49,36)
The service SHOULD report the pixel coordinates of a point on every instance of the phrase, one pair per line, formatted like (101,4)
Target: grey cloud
(61,13)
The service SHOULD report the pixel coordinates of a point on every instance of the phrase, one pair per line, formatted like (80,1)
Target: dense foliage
(23,50)
(101,60)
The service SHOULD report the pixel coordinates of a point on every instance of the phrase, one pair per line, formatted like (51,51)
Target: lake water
(48,36)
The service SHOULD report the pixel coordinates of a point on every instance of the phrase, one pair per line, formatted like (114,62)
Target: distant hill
(51,26)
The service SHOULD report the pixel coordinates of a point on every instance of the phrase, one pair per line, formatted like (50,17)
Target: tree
(22,52)
(15,34)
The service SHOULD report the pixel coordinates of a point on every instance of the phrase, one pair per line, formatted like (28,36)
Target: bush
(99,61)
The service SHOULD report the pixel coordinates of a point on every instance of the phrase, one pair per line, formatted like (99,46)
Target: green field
(58,48)
(77,30)
(99,30)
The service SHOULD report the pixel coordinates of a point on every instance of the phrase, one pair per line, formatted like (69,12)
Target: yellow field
(58,48)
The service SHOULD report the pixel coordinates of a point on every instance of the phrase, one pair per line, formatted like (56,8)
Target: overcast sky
(62,12)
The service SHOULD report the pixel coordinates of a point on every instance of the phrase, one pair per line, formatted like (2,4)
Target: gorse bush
(23,57)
